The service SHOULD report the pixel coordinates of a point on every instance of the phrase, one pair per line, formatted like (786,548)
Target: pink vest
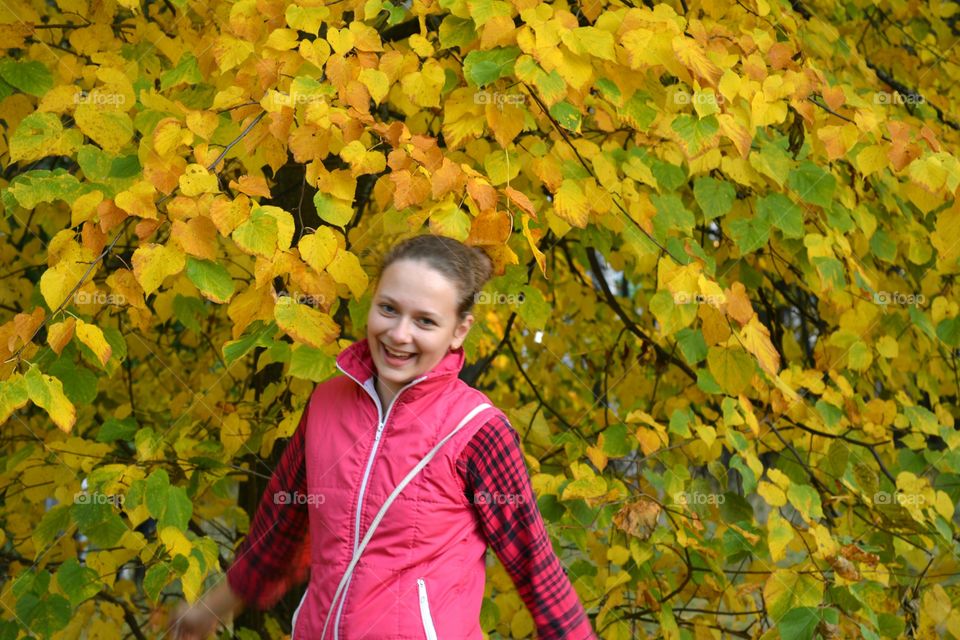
(421,573)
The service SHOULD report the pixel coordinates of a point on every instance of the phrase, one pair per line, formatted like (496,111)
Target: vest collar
(356,362)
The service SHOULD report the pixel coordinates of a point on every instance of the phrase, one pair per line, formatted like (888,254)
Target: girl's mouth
(396,358)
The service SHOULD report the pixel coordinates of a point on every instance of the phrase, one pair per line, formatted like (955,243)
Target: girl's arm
(275,555)
(499,486)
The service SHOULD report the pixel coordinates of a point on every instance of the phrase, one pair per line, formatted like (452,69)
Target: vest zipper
(428,627)
(382,422)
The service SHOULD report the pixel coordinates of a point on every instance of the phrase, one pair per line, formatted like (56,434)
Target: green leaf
(456,32)
(692,345)
(535,310)
(333,210)
(311,364)
(114,429)
(188,310)
(43,616)
(29,76)
(695,131)
(882,246)
(638,112)
(669,176)
(949,331)
(799,623)
(481,68)
(168,504)
(812,184)
(615,443)
(715,197)
(566,115)
(99,522)
(54,523)
(187,71)
(157,577)
(671,214)
(831,272)
(806,500)
(79,383)
(259,336)
(33,187)
(749,234)
(79,583)
(783,213)
(211,278)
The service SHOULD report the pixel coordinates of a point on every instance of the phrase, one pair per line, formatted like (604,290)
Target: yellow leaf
(376,82)
(305,324)
(773,494)
(138,200)
(84,207)
(692,56)
(731,368)
(60,333)
(756,339)
(234,431)
(779,535)
(345,269)
(174,540)
(59,280)
(340,39)
(152,263)
(197,180)
(571,204)
(318,249)
(47,393)
(92,336)
(112,130)
(229,51)
(785,590)
(13,395)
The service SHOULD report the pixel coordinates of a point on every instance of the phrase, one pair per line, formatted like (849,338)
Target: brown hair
(467,267)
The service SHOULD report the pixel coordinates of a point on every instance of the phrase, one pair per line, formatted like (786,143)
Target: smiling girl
(397,479)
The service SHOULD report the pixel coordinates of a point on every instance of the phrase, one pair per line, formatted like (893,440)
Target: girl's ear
(461,331)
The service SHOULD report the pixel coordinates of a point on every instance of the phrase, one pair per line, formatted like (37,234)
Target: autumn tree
(725,320)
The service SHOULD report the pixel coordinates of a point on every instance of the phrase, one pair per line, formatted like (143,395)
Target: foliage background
(725,319)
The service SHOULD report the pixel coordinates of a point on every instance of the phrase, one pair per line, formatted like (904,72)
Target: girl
(396,480)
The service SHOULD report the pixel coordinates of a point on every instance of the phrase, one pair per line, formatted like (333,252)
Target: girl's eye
(386,307)
(427,321)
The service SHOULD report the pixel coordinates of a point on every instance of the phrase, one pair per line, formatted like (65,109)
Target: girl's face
(413,322)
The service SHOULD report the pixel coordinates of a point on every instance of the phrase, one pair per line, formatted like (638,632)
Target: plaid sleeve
(497,482)
(275,555)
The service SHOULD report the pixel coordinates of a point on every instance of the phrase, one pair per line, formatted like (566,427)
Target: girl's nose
(400,332)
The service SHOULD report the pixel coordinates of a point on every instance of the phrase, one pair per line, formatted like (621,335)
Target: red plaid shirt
(276,553)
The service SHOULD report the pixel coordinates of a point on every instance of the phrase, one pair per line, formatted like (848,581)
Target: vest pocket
(425,611)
